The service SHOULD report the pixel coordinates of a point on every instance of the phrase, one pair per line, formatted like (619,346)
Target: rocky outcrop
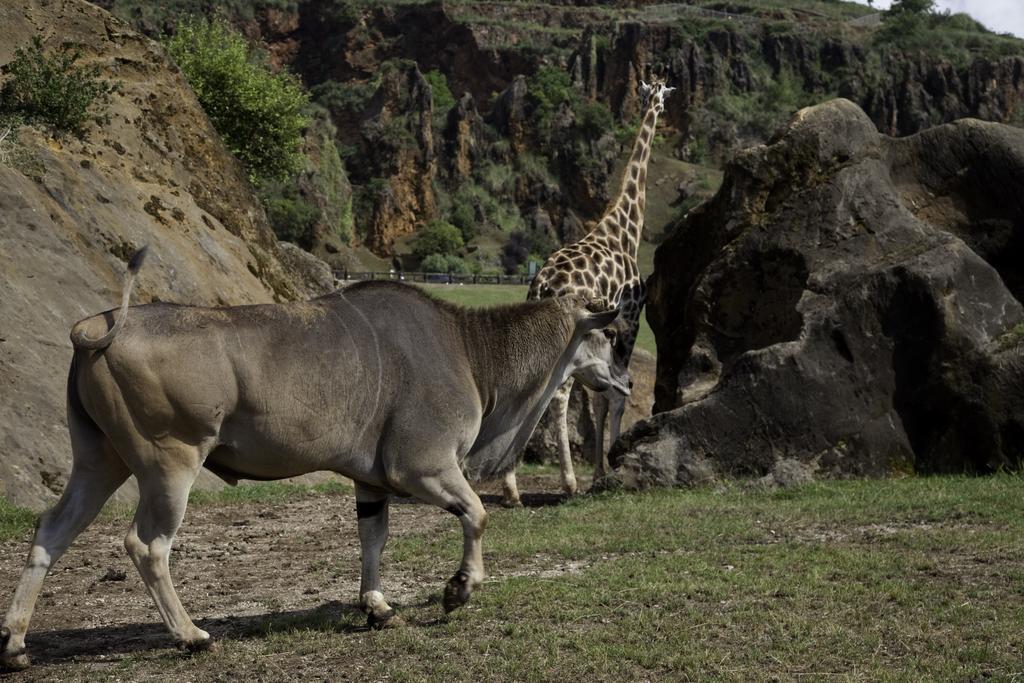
(509,114)
(848,301)
(73,210)
(397,152)
(463,139)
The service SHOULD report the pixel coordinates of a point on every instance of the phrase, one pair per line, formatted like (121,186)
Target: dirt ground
(234,565)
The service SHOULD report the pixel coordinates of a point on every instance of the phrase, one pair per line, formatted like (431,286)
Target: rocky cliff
(72,210)
(740,68)
(847,304)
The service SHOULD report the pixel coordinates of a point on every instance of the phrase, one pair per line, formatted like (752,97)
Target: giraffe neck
(625,218)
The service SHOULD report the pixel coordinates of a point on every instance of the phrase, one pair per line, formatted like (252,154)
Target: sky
(1001,16)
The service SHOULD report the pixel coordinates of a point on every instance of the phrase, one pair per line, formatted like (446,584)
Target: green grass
(493,295)
(14,520)
(266,492)
(902,580)
(478,296)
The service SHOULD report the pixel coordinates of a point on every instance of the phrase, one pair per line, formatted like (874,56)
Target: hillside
(508,118)
(72,210)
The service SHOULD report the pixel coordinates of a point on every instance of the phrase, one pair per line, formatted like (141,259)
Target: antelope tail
(78,336)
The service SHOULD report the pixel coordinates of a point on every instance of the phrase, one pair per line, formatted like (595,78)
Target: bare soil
(236,567)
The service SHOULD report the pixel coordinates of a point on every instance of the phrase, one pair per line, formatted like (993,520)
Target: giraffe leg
(510,491)
(600,403)
(617,407)
(559,410)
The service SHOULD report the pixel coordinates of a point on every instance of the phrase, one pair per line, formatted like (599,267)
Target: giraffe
(603,265)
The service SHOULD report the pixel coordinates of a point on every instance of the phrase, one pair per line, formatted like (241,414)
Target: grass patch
(15,521)
(914,579)
(866,580)
(266,492)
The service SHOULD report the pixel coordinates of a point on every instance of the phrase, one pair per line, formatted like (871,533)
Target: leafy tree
(594,119)
(51,89)
(438,237)
(257,112)
(549,90)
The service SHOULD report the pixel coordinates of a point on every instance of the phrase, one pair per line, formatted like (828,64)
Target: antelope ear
(644,87)
(668,90)
(596,321)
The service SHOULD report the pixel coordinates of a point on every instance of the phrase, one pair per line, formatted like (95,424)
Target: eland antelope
(402,393)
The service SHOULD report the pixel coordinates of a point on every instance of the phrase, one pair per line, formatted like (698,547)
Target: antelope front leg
(450,490)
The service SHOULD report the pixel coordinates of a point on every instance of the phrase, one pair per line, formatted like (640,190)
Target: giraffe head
(653,94)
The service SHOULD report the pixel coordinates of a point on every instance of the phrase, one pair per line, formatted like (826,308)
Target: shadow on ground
(99,643)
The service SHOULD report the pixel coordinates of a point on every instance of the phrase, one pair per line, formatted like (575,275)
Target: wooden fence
(438,278)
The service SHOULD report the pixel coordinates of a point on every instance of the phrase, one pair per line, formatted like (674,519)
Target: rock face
(73,210)
(848,301)
(398,152)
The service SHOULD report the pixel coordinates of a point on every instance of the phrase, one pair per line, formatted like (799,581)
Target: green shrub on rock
(258,113)
(443,97)
(291,217)
(51,89)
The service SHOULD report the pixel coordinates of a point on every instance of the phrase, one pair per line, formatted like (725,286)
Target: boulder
(848,302)
(298,260)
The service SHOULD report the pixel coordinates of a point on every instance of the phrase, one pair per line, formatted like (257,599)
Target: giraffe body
(603,265)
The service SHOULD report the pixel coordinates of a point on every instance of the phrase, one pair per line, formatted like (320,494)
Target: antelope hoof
(511,503)
(387,620)
(456,591)
(207,644)
(12,661)
(570,489)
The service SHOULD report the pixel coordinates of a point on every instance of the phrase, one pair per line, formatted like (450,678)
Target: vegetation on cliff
(258,113)
(52,89)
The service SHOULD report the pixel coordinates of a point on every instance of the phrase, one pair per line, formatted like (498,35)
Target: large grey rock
(848,301)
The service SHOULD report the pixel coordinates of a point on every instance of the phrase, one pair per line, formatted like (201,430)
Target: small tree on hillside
(258,113)
(912,7)
(53,89)
(438,237)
